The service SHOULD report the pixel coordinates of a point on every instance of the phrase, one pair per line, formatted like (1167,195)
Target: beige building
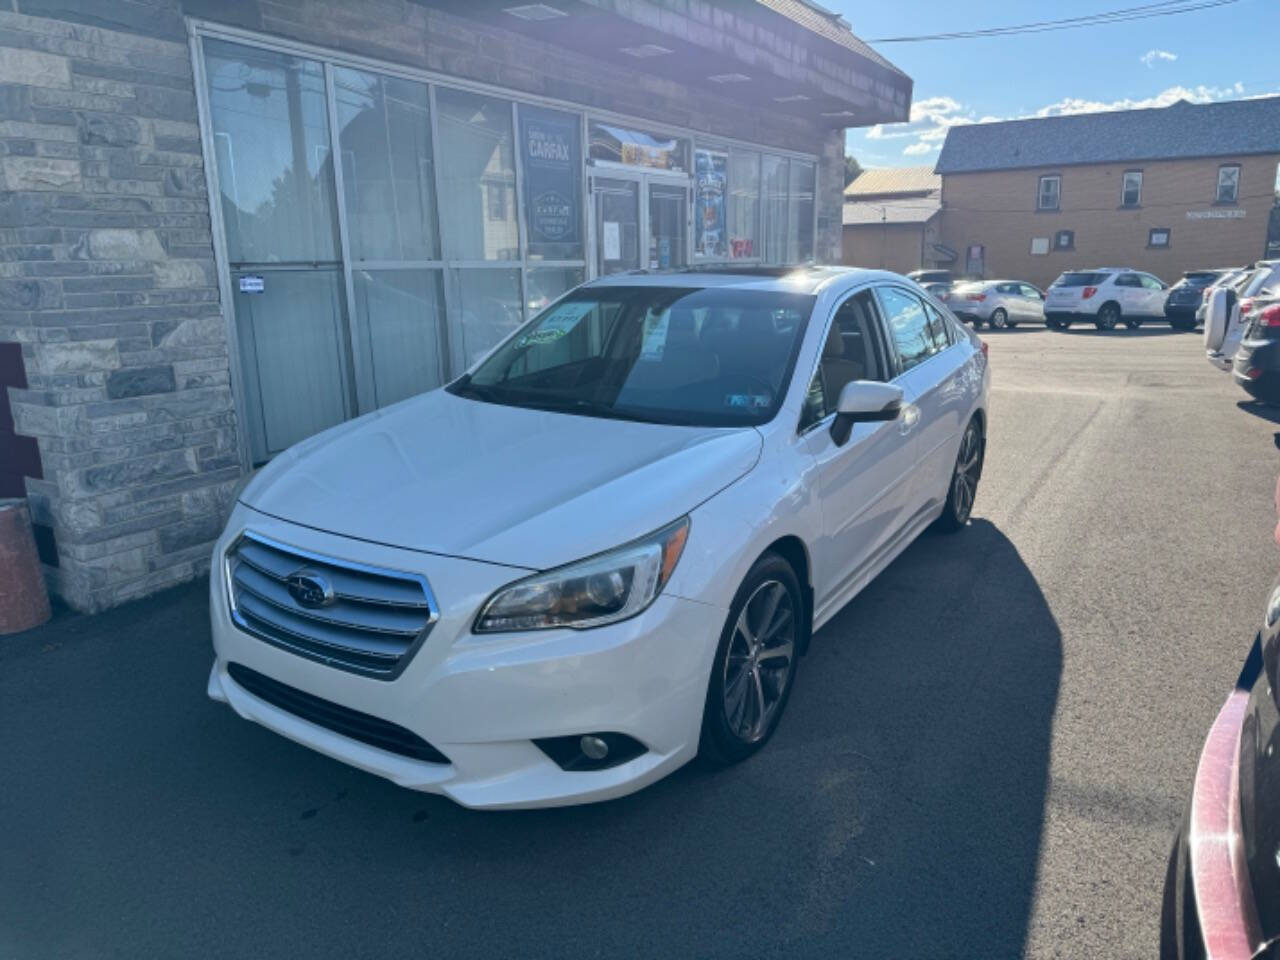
(1162,190)
(891,220)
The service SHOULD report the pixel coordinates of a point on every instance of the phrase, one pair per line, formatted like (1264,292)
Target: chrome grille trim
(378,619)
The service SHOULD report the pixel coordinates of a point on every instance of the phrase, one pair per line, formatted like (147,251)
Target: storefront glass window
(551,157)
(800,212)
(399,312)
(484,309)
(775,180)
(744,204)
(710,213)
(384,139)
(271,137)
(545,284)
(638,148)
(477,177)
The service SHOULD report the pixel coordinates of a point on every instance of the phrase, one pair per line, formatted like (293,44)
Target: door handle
(908,419)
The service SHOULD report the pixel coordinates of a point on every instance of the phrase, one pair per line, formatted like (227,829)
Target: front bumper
(481,700)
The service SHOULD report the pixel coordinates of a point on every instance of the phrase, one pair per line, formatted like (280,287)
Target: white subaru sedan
(602,551)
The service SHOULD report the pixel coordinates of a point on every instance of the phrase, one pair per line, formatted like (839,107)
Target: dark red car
(1222,889)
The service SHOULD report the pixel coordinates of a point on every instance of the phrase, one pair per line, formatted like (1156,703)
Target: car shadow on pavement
(1262,411)
(1156,330)
(897,813)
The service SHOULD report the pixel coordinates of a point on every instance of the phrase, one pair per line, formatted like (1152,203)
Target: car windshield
(1199,278)
(695,356)
(1079,279)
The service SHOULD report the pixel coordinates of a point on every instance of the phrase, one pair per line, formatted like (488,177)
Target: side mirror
(864,401)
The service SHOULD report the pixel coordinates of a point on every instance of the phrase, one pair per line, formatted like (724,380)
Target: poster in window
(551,167)
(710,223)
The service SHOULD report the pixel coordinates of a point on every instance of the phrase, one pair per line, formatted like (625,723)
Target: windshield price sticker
(556,324)
(654,340)
(746,401)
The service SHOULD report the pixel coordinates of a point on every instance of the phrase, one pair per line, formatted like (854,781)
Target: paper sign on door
(612,240)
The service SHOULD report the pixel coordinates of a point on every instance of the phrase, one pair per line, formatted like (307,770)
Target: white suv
(602,550)
(1106,296)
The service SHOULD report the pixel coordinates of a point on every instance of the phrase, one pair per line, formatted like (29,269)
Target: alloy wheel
(757,667)
(964,485)
(999,319)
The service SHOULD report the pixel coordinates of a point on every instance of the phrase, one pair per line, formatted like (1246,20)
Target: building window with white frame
(1228,183)
(1131,189)
(1049,194)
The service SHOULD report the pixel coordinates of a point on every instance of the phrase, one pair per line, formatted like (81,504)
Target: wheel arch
(793,550)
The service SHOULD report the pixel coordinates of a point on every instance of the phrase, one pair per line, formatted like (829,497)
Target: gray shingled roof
(1230,128)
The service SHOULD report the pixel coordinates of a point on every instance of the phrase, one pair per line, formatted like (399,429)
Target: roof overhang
(783,55)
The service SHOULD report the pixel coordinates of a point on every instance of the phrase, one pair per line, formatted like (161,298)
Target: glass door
(668,222)
(617,223)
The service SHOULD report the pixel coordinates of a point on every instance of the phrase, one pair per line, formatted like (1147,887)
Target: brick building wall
(900,247)
(108,283)
(998,210)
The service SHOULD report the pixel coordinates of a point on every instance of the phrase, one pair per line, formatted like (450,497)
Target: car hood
(526,488)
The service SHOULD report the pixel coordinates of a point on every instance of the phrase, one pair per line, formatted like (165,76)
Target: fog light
(598,750)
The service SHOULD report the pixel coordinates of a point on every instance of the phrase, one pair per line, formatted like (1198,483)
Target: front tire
(755,663)
(964,479)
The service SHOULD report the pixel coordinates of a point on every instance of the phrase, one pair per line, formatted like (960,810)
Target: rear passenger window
(913,337)
(943,335)
(1128,280)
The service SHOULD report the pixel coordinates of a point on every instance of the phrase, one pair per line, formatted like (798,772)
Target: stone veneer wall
(107,281)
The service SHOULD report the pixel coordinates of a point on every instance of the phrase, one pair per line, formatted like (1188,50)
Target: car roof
(787,279)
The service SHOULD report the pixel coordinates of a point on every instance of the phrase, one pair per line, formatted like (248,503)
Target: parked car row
(1242,330)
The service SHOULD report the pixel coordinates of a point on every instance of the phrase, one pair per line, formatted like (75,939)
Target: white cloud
(932,117)
(1149,58)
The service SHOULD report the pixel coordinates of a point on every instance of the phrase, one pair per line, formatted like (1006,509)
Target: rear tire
(750,683)
(1108,317)
(999,319)
(977,324)
(964,479)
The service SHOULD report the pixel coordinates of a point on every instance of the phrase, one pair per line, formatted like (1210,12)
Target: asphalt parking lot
(985,755)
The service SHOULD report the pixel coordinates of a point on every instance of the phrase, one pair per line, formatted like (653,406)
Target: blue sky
(1223,53)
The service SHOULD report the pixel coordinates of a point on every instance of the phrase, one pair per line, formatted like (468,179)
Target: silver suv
(1106,296)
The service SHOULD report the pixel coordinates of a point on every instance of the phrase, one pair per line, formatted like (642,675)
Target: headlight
(590,593)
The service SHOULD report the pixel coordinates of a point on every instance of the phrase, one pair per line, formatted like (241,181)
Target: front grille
(341,720)
(365,620)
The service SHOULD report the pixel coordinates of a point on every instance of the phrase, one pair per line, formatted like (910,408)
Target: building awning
(792,56)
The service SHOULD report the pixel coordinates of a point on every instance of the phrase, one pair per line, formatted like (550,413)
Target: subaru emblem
(310,588)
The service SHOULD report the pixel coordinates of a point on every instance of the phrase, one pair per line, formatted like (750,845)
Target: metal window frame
(1124,178)
(361,387)
(1217,188)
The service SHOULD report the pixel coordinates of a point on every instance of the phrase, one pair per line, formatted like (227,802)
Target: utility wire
(1144,11)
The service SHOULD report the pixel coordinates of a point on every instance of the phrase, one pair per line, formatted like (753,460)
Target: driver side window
(851,351)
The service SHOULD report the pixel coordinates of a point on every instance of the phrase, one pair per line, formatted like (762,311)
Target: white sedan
(603,550)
